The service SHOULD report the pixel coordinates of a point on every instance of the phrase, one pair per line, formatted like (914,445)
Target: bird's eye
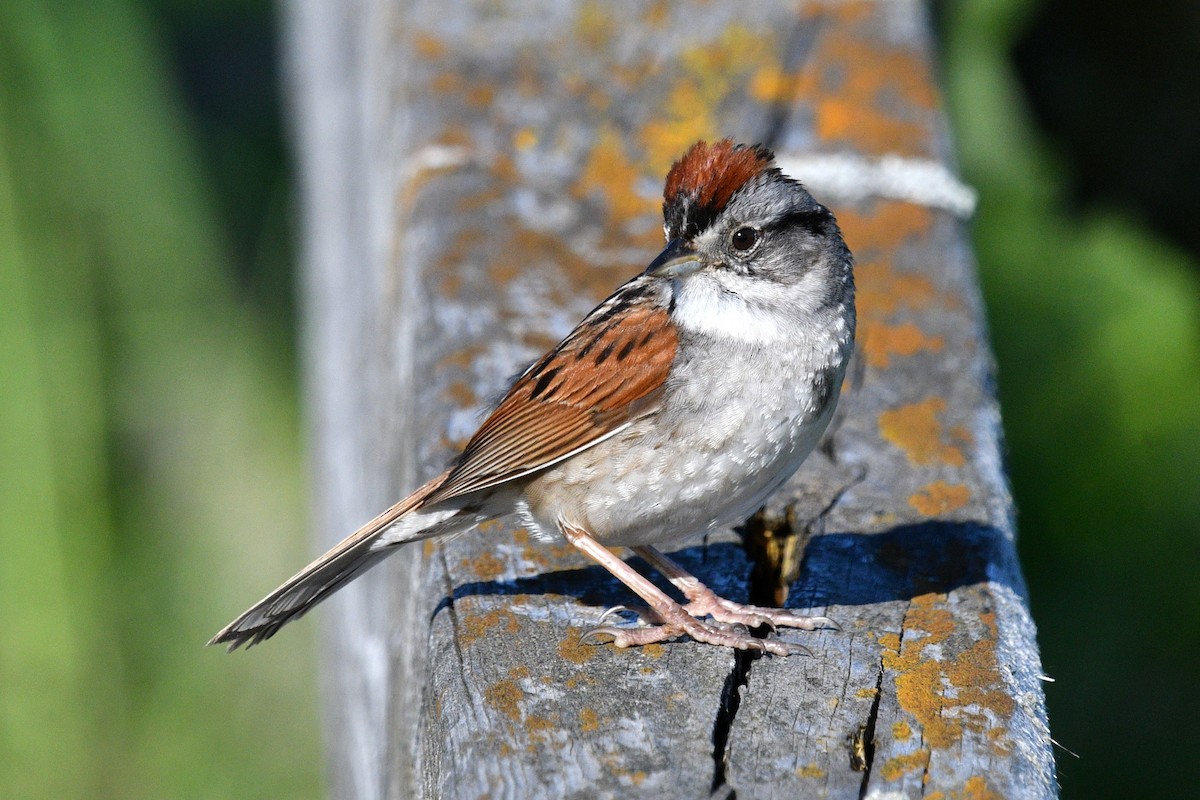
(744,239)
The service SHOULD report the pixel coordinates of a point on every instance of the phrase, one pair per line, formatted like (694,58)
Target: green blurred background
(148,408)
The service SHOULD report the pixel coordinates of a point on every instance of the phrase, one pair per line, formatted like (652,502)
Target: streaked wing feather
(609,371)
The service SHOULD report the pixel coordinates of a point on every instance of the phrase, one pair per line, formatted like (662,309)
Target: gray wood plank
(476,177)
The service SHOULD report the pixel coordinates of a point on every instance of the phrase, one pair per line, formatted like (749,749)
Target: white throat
(703,306)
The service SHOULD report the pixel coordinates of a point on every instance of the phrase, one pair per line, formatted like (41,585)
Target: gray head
(749,249)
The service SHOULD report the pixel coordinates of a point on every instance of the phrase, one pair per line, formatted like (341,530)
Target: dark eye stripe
(814,220)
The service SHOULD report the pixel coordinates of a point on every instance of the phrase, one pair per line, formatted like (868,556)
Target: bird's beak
(677,261)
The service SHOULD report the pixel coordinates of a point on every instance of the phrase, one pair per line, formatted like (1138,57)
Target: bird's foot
(705,602)
(721,634)
(668,619)
(726,625)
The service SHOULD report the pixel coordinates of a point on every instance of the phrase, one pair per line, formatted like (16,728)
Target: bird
(676,407)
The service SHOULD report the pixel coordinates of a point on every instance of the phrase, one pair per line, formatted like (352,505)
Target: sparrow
(676,407)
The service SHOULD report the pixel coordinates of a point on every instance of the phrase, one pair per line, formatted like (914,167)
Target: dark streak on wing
(569,401)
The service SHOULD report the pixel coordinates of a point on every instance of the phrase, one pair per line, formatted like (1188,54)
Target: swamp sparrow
(675,407)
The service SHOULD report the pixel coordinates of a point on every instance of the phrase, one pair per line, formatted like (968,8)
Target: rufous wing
(610,370)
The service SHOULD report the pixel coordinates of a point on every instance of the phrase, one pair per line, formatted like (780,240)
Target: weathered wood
(475,178)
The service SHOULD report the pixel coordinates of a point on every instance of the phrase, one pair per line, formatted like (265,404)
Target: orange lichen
(725,63)
(505,696)
(844,12)
(880,290)
(460,395)
(474,626)
(875,97)
(600,101)
(866,89)
(915,429)
(448,268)
(946,697)
(595,26)
(890,224)
(527,80)
(589,720)
(666,139)
(845,119)
(901,731)
(476,93)
(524,246)
(542,554)
(657,14)
(770,84)
(524,139)
(899,766)
(881,341)
(940,497)
(611,174)
(463,357)
(428,46)
(573,650)
(708,74)
(811,771)
(486,566)
(537,726)
(1001,744)
(961,433)
(889,641)
(976,788)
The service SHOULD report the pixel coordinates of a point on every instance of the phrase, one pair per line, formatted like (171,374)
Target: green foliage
(147,440)
(1096,327)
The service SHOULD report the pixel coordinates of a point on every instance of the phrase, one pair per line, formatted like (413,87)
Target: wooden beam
(475,177)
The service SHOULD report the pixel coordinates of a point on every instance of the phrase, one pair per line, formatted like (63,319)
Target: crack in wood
(731,700)
(796,53)
(862,753)
(767,575)
(925,775)
(775,543)
(455,621)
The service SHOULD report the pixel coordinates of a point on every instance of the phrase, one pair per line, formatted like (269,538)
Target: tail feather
(348,559)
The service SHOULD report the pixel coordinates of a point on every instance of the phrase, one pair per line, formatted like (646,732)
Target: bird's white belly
(707,459)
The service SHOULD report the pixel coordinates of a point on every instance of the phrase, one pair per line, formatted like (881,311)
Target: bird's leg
(676,621)
(703,601)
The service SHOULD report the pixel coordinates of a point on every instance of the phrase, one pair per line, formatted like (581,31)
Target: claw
(814,624)
(603,630)
(610,612)
(797,649)
(775,647)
